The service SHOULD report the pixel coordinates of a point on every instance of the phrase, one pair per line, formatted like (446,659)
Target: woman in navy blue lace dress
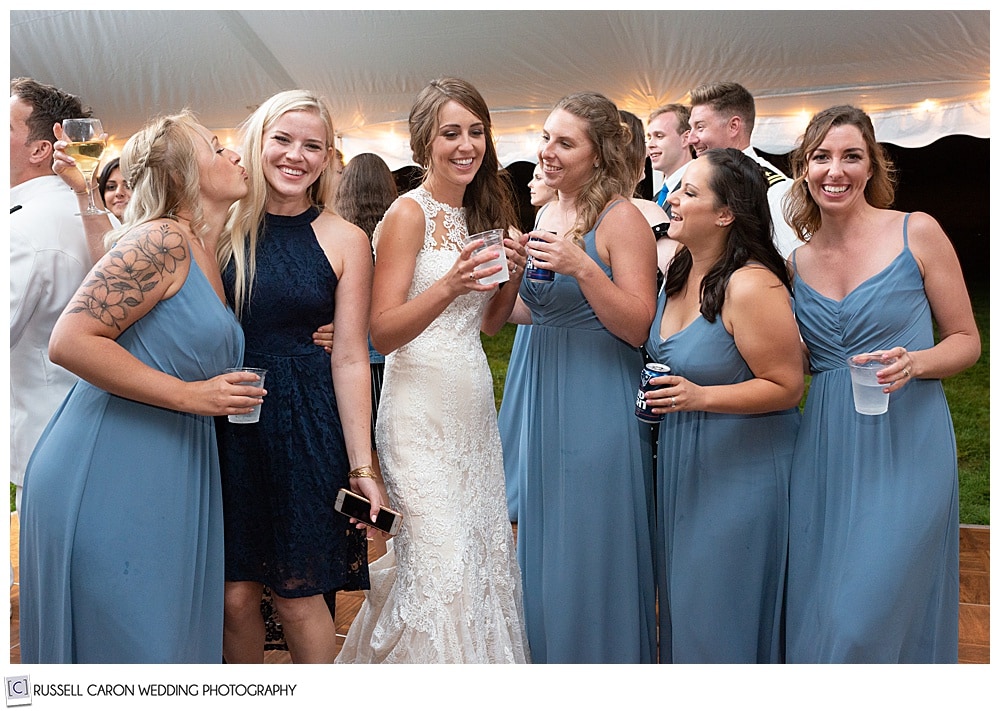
(294,265)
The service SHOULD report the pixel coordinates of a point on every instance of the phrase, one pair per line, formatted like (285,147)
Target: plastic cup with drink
(493,240)
(253,416)
(869,395)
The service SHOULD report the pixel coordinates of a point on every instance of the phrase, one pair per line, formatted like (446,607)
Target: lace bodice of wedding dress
(448,590)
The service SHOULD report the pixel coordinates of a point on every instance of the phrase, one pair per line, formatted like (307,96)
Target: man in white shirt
(667,147)
(722,116)
(48,261)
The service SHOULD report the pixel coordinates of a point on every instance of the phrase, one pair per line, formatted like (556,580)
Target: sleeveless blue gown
(511,419)
(121,527)
(280,476)
(585,506)
(722,511)
(873,540)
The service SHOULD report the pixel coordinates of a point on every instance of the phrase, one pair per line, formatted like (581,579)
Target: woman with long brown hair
(448,589)
(873,527)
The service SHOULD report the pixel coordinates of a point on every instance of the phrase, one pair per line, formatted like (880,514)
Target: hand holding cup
(254,415)
(492,241)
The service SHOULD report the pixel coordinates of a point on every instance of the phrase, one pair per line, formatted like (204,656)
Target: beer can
(650,370)
(534,274)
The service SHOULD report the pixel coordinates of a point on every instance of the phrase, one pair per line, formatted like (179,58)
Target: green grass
(969,399)
(497,353)
(968,396)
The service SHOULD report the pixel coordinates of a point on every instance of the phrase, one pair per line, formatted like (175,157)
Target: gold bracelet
(82,193)
(365,472)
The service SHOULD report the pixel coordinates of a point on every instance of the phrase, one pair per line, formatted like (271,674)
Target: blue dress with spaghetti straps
(873,539)
(584,509)
(722,510)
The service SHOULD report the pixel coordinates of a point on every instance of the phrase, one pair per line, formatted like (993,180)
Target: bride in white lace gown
(449,588)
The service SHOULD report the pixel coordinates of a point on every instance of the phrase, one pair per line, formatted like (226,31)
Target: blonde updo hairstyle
(160,163)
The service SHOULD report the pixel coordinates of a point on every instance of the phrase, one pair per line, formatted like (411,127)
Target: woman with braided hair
(122,514)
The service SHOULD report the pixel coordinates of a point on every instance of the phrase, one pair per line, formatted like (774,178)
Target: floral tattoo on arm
(125,275)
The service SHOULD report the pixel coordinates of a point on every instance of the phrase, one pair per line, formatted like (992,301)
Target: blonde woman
(121,528)
(291,264)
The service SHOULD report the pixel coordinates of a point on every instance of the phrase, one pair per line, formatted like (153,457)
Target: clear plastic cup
(492,239)
(868,396)
(253,416)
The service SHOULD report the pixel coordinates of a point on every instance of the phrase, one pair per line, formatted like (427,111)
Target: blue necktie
(661,198)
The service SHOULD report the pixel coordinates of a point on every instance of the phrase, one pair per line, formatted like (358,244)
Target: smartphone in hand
(358,507)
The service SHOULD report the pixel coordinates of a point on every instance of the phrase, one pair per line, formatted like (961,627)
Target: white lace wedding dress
(449,588)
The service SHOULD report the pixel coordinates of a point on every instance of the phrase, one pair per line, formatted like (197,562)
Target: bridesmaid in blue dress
(873,539)
(122,514)
(511,416)
(585,508)
(292,266)
(724,326)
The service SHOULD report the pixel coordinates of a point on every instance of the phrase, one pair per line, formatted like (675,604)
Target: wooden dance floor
(973,612)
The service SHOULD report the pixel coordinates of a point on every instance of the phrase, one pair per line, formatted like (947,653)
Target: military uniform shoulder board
(772,177)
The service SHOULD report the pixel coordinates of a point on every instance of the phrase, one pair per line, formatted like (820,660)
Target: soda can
(534,274)
(650,370)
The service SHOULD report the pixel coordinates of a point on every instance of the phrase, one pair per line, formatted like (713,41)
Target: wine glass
(86,145)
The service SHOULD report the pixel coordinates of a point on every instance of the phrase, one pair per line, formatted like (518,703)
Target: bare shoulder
(333,229)
(148,263)
(924,228)
(625,217)
(404,207)
(751,281)
(403,222)
(926,238)
(653,213)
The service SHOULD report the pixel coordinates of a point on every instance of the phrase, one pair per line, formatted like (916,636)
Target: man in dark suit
(667,148)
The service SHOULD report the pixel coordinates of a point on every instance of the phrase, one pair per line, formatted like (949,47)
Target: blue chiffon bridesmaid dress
(873,540)
(121,524)
(722,511)
(585,503)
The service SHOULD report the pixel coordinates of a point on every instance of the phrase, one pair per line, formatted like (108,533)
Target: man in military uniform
(722,116)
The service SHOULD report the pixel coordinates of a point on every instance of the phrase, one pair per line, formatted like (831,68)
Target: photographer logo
(18,690)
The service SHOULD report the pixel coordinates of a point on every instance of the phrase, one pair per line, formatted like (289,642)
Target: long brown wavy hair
(738,183)
(489,198)
(799,208)
(366,191)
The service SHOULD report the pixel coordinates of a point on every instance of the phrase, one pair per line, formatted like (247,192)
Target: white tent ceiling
(921,74)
